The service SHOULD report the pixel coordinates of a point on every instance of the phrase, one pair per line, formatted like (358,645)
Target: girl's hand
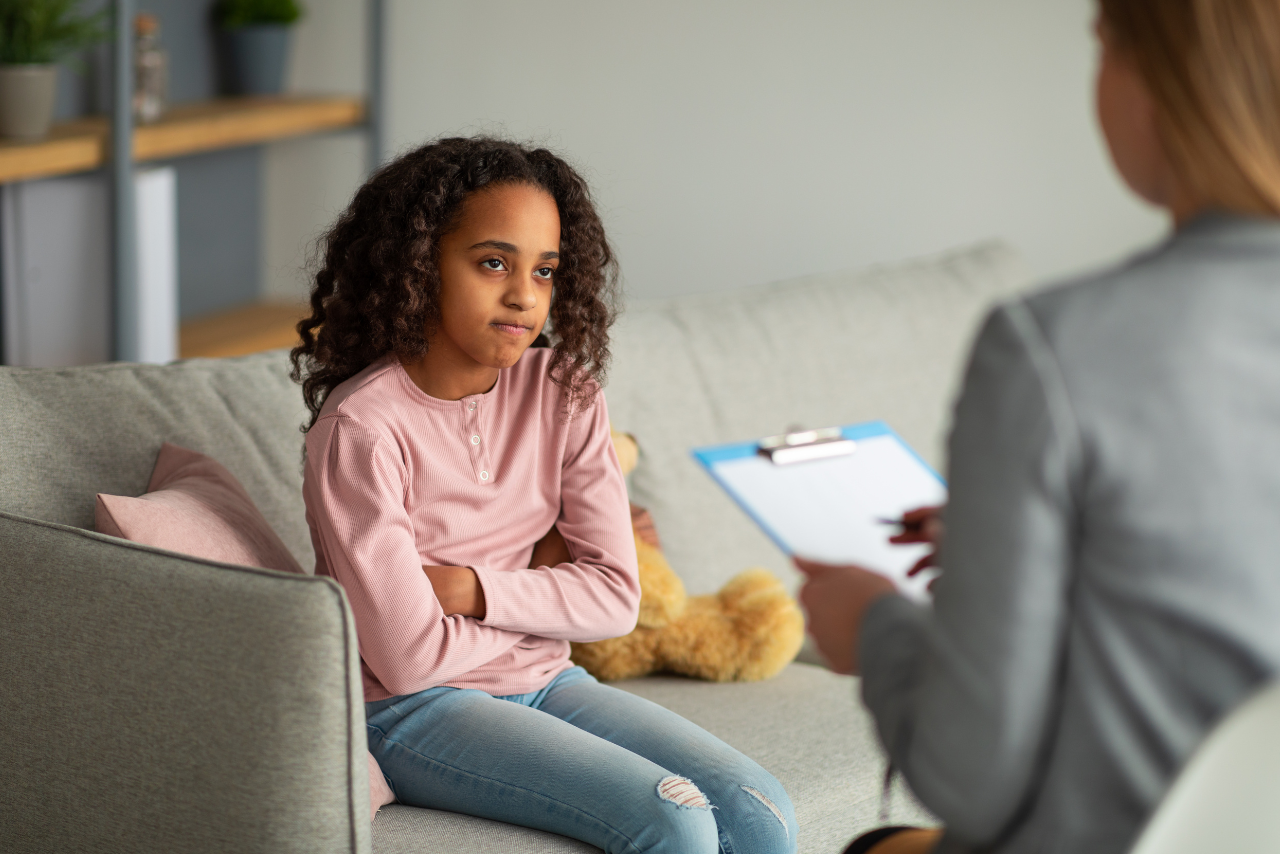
(458,589)
(922,525)
(550,550)
(836,598)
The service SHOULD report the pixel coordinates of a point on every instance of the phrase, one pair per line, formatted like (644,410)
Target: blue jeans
(582,760)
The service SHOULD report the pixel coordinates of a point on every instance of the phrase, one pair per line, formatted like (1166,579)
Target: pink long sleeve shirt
(396,479)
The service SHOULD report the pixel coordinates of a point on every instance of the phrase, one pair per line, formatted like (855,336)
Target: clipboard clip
(805,445)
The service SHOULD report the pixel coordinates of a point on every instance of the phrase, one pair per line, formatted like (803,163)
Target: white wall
(734,142)
(307,182)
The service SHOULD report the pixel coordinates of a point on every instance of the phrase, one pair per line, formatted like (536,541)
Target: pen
(902,523)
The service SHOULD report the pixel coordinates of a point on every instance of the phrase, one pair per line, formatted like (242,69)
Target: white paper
(830,510)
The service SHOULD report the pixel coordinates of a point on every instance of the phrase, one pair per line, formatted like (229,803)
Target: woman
(1111,586)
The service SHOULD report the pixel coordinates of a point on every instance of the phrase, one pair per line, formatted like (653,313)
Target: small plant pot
(254,59)
(26,100)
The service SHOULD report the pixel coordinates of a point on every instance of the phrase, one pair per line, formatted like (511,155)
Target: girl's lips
(510,328)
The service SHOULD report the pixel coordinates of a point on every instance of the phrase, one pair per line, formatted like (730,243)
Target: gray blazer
(1112,557)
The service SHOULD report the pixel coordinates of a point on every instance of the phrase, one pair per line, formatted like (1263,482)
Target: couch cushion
(831,349)
(68,434)
(805,726)
(196,507)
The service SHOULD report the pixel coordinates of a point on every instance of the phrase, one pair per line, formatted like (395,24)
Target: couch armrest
(151,702)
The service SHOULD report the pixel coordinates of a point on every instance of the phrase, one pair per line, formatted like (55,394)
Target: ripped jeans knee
(682,792)
(751,820)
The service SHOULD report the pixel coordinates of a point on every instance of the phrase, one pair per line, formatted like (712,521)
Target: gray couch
(151,702)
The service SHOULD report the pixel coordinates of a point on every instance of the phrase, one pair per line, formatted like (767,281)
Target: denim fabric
(582,760)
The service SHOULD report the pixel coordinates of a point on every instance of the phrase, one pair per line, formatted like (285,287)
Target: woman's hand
(458,589)
(836,598)
(550,550)
(922,525)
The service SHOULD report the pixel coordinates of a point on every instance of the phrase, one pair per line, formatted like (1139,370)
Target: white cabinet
(57,270)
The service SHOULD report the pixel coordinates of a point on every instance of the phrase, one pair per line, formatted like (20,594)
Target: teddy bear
(747,631)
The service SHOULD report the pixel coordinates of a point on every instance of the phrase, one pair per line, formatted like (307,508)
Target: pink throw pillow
(195,506)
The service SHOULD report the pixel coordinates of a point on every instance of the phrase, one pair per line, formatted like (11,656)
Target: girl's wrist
(458,590)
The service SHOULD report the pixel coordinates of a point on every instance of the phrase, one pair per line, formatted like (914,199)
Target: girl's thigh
(751,808)
(467,752)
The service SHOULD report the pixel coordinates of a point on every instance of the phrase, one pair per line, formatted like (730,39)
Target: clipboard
(826,495)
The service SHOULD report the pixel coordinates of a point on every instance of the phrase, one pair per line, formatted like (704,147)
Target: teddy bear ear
(628,451)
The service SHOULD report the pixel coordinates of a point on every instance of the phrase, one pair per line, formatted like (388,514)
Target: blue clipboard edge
(709,455)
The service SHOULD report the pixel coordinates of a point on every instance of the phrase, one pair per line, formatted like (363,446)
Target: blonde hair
(1213,68)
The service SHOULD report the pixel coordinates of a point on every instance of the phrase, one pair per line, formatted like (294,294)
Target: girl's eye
(545,272)
(493,264)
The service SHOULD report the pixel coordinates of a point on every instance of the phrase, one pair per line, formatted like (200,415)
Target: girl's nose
(523,294)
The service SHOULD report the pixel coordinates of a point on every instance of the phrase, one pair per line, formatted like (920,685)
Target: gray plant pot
(254,59)
(26,100)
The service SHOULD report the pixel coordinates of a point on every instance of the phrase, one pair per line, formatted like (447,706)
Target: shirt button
(471,406)
(484,475)
(475,440)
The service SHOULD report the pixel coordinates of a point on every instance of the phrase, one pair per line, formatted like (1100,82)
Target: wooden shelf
(240,331)
(185,129)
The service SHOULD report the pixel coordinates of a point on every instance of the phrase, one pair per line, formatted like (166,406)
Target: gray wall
(730,142)
(219,230)
(306,182)
(219,194)
(733,142)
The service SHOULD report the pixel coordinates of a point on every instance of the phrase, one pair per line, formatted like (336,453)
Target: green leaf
(42,31)
(232,14)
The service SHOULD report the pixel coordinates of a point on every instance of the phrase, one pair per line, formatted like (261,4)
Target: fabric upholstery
(167,704)
(155,703)
(836,348)
(193,505)
(68,434)
(805,726)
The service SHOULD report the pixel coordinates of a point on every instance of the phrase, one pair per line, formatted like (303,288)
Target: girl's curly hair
(377,289)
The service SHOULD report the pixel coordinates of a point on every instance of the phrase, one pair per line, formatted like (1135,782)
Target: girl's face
(496,272)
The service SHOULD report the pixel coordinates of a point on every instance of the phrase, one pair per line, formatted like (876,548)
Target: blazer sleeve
(964,694)
(355,491)
(597,595)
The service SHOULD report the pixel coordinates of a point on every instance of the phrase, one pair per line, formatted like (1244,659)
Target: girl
(1110,547)
(463,490)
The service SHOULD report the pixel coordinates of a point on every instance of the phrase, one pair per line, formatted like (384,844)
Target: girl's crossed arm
(356,497)
(597,595)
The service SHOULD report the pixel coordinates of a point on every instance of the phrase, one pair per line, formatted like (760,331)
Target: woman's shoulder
(1167,281)
(1145,319)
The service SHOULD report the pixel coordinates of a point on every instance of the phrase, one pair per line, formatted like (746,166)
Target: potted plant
(254,41)
(34,35)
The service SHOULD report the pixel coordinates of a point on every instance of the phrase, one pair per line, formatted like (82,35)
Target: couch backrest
(68,434)
(830,349)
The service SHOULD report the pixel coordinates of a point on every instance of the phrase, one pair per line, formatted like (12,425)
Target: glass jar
(150,70)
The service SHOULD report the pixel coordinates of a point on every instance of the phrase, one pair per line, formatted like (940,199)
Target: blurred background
(729,143)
